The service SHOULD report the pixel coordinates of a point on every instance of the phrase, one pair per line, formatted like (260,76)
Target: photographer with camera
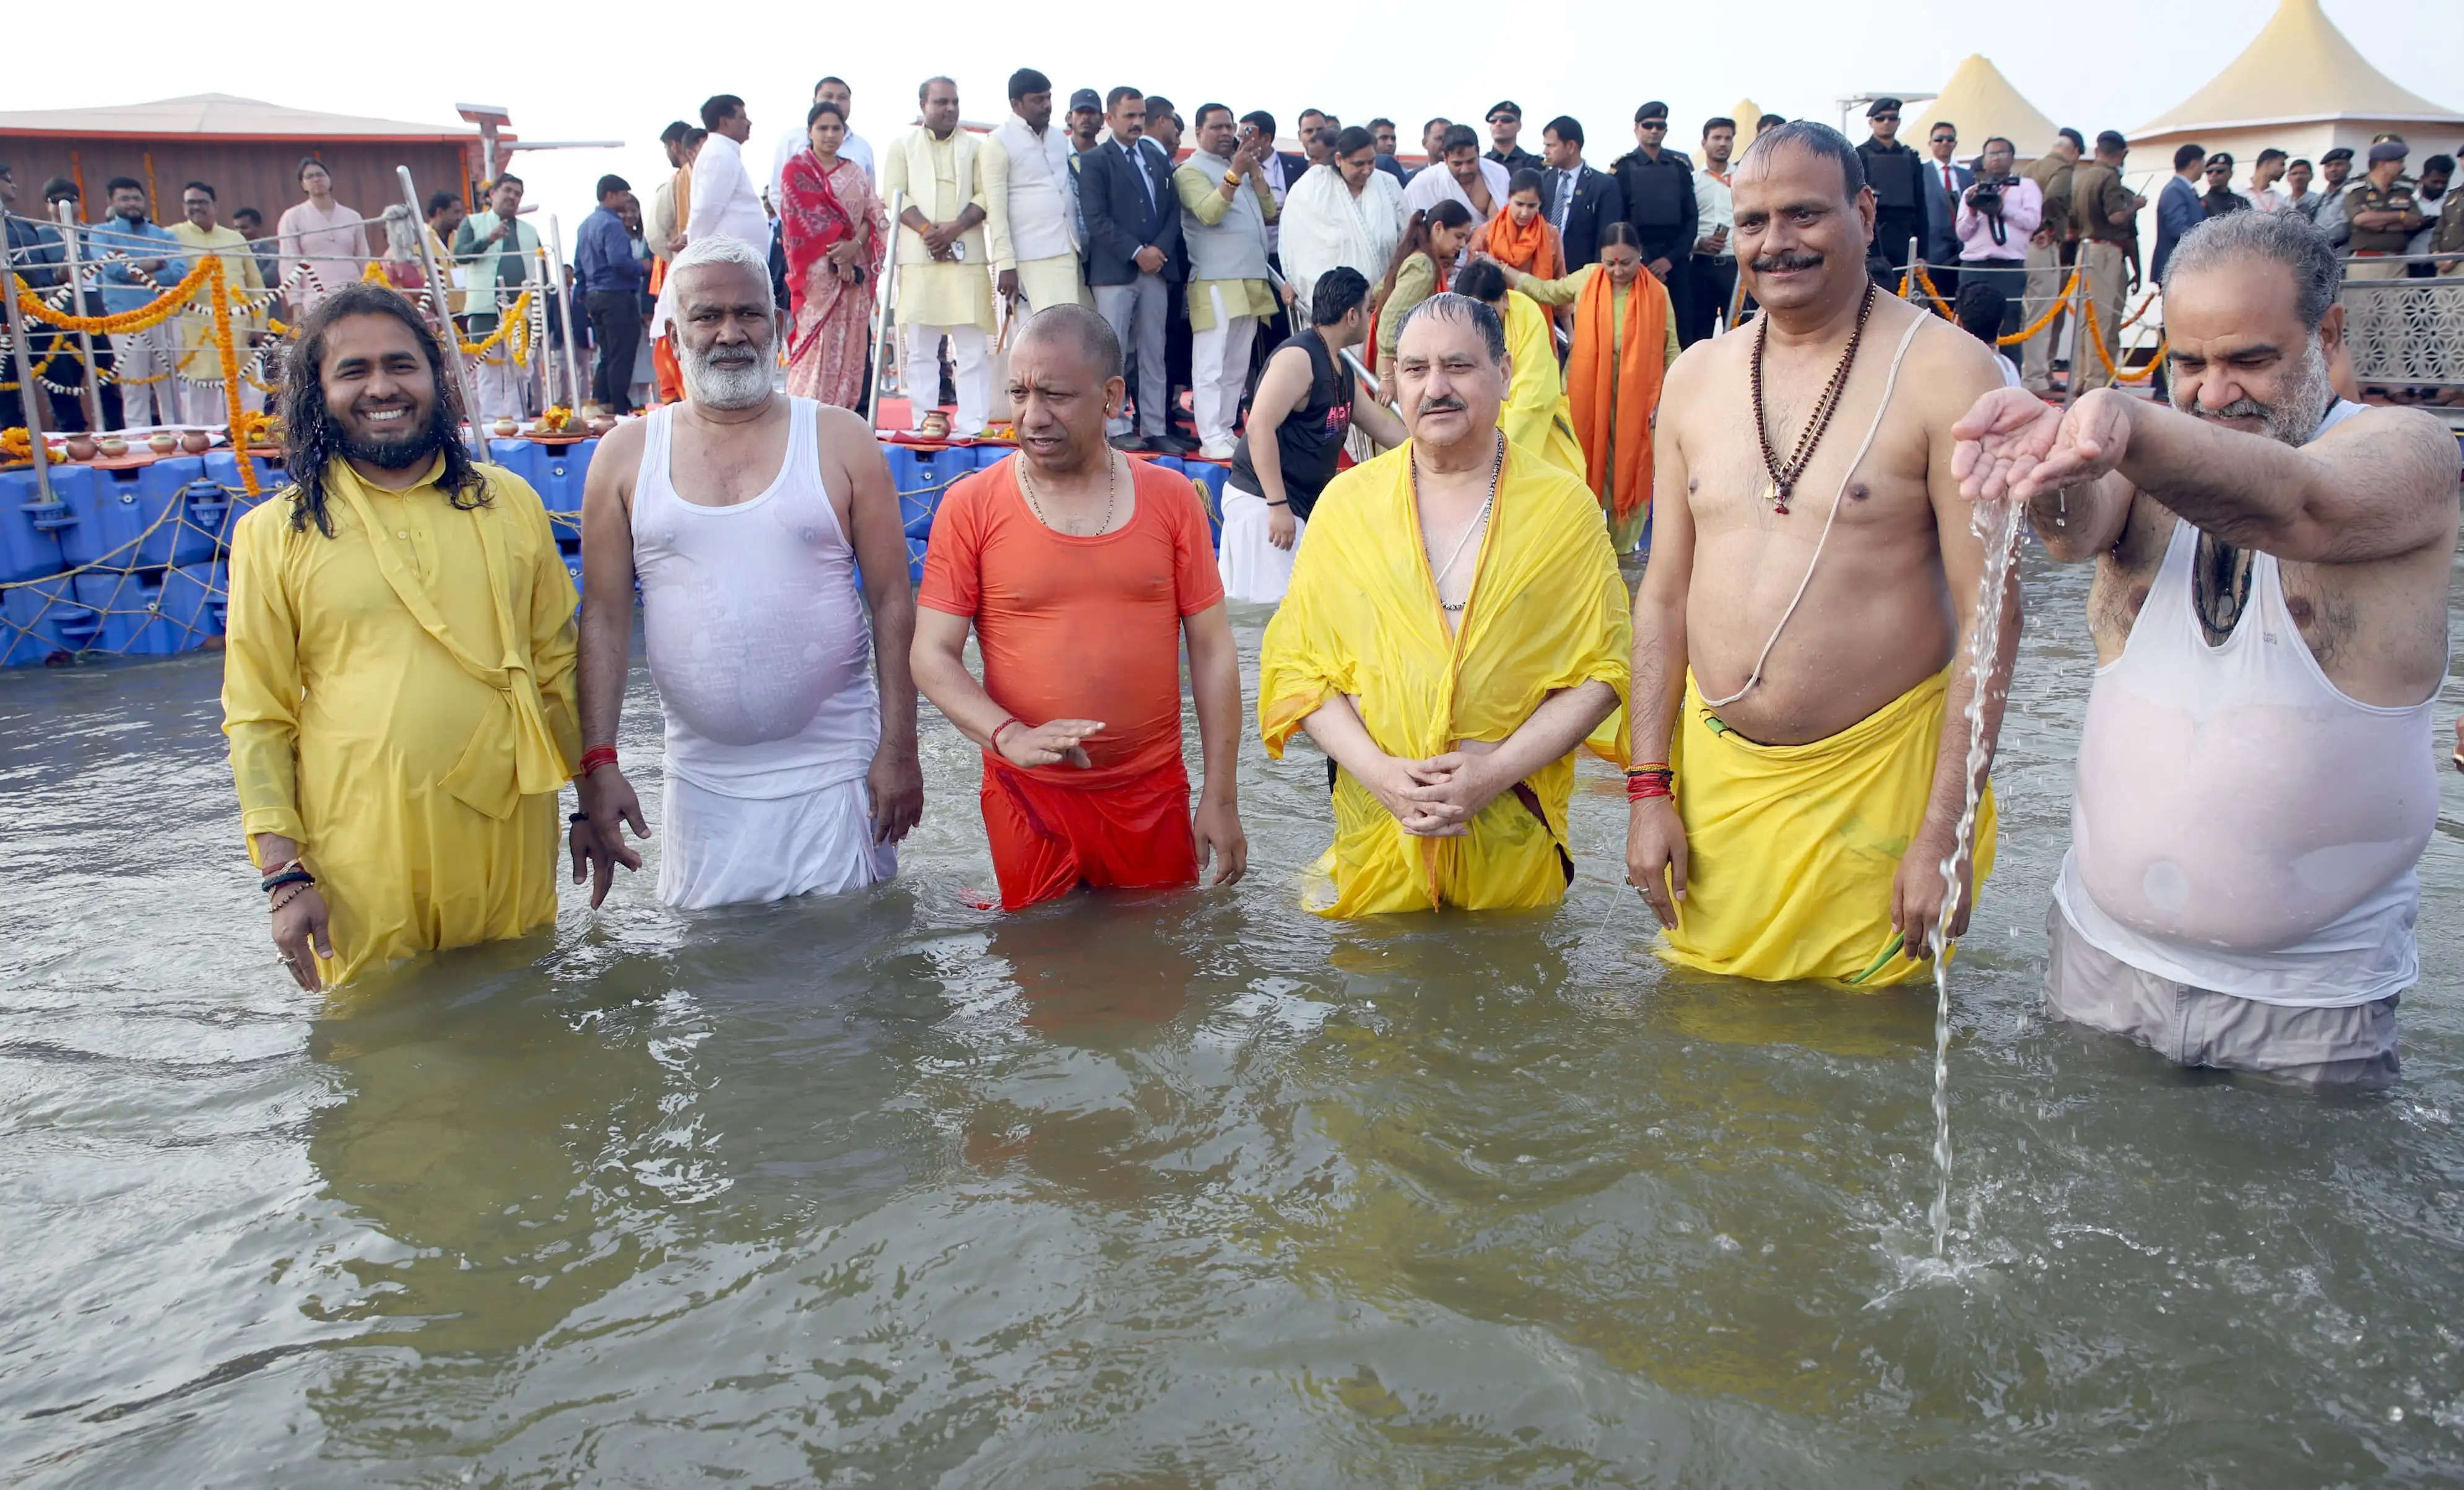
(1996,217)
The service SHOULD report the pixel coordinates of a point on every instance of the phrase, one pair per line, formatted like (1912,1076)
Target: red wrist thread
(595,757)
(995,744)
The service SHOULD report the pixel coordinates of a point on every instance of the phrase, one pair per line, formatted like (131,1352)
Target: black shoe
(1172,444)
(1127,441)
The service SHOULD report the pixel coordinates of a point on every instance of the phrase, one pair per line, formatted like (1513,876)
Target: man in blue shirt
(612,281)
(138,261)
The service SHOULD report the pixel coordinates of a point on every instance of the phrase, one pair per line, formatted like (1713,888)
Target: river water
(1184,1190)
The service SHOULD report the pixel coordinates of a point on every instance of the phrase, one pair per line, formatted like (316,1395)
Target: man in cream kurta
(1225,205)
(196,355)
(945,285)
(398,681)
(1031,201)
(498,255)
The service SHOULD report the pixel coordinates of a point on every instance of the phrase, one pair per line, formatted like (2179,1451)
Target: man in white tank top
(748,516)
(2255,776)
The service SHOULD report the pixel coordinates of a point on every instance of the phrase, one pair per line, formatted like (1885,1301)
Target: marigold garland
(143,317)
(16,443)
(230,353)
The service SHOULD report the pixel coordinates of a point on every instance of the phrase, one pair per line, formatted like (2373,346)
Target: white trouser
(501,386)
(1218,369)
(1136,313)
(967,371)
(150,392)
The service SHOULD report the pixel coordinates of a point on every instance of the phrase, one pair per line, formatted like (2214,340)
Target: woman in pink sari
(834,230)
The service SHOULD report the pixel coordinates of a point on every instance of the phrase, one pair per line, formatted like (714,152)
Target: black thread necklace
(1780,480)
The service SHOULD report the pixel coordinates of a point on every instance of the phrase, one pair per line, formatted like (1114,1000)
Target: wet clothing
(1078,628)
(1625,341)
(1547,612)
(762,651)
(1793,850)
(1049,839)
(2240,825)
(2342,1046)
(400,702)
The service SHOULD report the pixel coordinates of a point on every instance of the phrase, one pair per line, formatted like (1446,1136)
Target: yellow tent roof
(1982,102)
(2298,68)
(1745,113)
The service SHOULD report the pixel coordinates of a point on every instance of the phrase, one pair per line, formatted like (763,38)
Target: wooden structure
(248,151)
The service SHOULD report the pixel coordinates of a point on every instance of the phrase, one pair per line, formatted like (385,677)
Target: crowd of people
(1789,692)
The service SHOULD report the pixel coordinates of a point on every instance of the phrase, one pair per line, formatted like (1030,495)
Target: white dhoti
(1254,569)
(761,651)
(722,850)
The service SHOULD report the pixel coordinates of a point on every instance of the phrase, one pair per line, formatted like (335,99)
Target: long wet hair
(310,440)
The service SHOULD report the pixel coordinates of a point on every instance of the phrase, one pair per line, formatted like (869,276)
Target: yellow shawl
(1537,415)
(1548,612)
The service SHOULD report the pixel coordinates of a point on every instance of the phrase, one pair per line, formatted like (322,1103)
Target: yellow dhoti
(1792,849)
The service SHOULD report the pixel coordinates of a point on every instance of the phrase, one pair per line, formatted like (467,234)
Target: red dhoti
(1047,840)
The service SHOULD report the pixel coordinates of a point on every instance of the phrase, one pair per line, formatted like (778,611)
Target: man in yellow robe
(1454,631)
(398,682)
(1537,415)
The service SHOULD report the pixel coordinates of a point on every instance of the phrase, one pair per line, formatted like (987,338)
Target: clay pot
(162,442)
(111,446)
(80,447)
(196,442)
(506,428)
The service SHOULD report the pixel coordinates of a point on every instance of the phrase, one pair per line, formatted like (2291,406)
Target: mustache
(2238,408)
(1801,258)
(1442,404)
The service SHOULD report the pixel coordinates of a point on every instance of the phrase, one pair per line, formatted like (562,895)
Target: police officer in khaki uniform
(2049,253)
(2105,214)
(2383,214)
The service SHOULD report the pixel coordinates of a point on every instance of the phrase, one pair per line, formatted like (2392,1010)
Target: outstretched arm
(2379,485)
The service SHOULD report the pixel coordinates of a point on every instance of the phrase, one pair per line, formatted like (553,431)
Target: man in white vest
(945,286)
(1032,202)
(1225,205)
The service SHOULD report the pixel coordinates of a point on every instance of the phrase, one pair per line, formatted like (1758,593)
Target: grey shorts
(2351,1047)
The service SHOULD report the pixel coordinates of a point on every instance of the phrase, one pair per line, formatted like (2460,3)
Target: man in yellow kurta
(398,682)
(1455,629)
(198,359)
(1537,415)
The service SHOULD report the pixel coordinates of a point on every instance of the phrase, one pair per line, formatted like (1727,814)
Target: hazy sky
(623,71)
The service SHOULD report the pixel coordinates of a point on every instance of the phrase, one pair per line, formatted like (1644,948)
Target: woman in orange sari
(834,231)
(1625,337)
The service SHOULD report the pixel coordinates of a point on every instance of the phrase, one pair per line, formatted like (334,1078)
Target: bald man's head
(1082,331)
(1064,384)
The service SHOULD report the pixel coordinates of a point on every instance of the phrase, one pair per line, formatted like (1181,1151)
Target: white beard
(738,386)
(2292,421)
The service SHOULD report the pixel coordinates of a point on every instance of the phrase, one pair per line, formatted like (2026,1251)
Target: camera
(1986,196)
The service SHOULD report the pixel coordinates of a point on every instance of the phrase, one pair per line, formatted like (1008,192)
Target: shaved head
(1082,331)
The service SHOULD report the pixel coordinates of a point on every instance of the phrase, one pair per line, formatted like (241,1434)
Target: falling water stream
(1998,524)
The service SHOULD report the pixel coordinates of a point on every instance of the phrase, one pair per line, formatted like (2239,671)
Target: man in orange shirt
(1080,571)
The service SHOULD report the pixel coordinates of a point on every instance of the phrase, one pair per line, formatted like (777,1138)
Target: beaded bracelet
(293,874)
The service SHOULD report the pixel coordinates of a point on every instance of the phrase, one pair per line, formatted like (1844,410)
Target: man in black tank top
(1299,419)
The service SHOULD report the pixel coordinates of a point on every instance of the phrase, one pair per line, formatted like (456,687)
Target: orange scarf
(1532,250)
(1623,396)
